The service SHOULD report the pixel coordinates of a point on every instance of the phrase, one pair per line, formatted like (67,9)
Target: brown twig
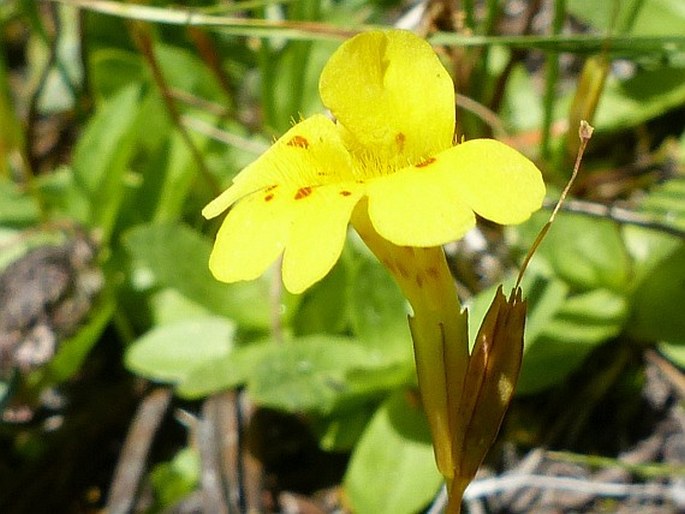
(133,457)
(214,498)
(207,51)
(144,42)
(584,133)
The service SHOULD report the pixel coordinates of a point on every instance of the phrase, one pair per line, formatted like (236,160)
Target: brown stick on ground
(131,465)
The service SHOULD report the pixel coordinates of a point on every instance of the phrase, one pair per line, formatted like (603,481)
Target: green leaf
(168,305)
(16,207)
(674,352)
(665,203)
(307,374)
(185,71)
(590,317)
(174,256)
(392,470)
(112,69)
(323,308)
(175,479)
(657,302)
(177,178)
(379,311)
(225,372)
(587,253)
(581,324)
(62,196)
(171,352)
(645,96)
(648,249)
(341,431)
(522,109)
(102,154)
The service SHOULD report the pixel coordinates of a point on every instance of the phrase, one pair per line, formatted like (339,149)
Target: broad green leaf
(341,431)
(62,196)
(185,71)
(581,324)
(112,69)
(171,352)
(648,249)
(371,379)
(587,253)
(102,154)
(322,373)
(658,302)
(635,100)
(323,308)
(307,374)
(392,470)
(174,256)
(379,311)
(178,177)
(169,305)
(665,203)
(590,317)
(100,144)
(16,207)
(226,372)
(545,301)
(522,109)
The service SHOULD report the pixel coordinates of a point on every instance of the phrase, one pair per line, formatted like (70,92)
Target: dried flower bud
(491,377)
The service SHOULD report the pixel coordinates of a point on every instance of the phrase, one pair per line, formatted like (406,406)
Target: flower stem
(439,330)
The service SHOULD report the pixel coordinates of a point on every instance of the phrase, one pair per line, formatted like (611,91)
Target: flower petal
(251,237)
(411,208)
(392,95)
(432,203)
(309,223)
(318,233)
(493,179)
(311,153)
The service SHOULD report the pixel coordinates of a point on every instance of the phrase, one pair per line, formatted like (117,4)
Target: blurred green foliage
(164,114)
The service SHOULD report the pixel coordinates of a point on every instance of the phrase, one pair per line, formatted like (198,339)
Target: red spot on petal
(402,270)
(400,138)
(389,264)
(433,272)
(269,197)
(419,280)
(345,193)
(425,163)
(299,142)
(270,188)
(303,192)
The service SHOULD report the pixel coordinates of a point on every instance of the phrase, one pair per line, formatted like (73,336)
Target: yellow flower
(389,153)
